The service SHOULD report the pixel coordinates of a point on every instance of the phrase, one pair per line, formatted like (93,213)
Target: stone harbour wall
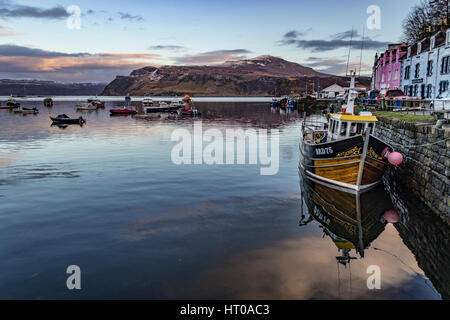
(425,172)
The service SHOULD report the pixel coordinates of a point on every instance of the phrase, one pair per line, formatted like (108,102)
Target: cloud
(166,47)
(127,16)
(212,57)
(12,50)
(11,10)
(20,62)
(295,33)
(335,65)
(337,41)
(6,32)
(349,34)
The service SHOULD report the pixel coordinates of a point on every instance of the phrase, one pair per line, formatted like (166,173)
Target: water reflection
(426,235)
(351,221)
(107,197)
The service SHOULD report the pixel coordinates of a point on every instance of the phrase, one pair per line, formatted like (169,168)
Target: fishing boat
(48,102)
(86,107)
(22,110)
(343,151)
(351,221)
(64,119)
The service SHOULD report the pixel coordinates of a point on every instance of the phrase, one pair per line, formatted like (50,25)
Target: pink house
(388,67)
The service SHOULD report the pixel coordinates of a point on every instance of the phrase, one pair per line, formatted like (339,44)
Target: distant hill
(261,76)
(48,88)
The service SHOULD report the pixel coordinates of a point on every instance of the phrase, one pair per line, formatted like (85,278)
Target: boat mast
(352,94)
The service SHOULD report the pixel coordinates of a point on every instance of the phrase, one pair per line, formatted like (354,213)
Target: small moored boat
(12,103)
(96,102)
(22,110)
(123,111)
(48,102)
(64,119)
(147,102)
(86,107)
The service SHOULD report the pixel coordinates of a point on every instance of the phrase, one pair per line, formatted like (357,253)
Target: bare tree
(423,19)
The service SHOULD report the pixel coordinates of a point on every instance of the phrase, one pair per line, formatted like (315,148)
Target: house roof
(333,88)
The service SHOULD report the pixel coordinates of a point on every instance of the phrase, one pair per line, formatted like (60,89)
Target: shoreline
(140,98)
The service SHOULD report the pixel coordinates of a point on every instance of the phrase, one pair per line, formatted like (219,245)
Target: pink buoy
(391,216)
(395,158)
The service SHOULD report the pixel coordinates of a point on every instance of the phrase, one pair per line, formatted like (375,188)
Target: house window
(445,65)
(430,68)
(405,90)
(390,76)
(429,91)
(417,71)
(382,77)
(415,90)
(443,86)
(396,75)
(407,72)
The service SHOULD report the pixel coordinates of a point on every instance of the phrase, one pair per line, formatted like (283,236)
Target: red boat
(99,104)
(122,111)
(9,107)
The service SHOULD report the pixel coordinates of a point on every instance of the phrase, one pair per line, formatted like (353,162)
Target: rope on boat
(419,145)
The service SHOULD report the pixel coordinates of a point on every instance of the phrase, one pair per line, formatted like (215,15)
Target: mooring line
(419,145)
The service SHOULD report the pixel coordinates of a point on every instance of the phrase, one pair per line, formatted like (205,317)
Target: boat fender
(394,158)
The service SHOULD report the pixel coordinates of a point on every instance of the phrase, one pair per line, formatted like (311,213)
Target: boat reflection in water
(351,220)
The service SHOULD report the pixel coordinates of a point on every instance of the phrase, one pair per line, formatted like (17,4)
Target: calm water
(106,197)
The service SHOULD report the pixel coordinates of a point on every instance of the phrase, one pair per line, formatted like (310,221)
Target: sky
(41,40)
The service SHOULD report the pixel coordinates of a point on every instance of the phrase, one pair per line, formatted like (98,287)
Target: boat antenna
(362,48)
(349,51)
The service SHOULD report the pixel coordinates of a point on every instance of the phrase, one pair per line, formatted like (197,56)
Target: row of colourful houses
(421,69)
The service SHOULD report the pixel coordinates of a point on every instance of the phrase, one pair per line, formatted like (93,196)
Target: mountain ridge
(48,88)
(261,76)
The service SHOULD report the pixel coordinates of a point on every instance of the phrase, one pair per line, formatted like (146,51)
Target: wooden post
(363,157)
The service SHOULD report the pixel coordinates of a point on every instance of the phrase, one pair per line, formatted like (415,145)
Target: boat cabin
(342,126)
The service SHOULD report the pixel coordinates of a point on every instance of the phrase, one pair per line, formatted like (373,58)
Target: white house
(426,67)
(332,91)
